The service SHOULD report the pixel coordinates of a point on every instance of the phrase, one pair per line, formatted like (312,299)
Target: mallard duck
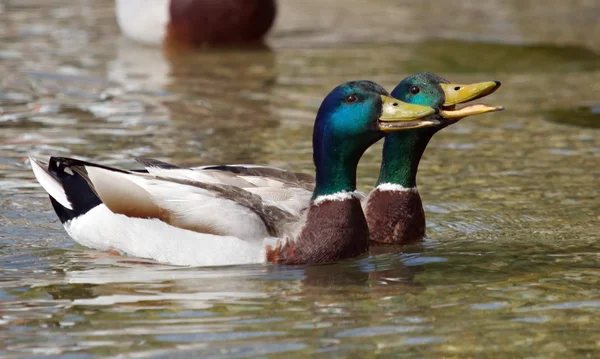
(394,209)
(195,22)
(218,217)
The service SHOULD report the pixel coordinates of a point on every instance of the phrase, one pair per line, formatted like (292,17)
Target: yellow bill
(459,94)
(397,115)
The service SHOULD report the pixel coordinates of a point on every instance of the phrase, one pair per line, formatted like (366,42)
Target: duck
(209,217)
(393,209)
(195,23)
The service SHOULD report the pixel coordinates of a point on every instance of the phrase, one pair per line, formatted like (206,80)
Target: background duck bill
(469,111)
(456,93)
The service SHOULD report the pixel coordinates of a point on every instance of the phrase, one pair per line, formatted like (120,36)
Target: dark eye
(414,90)
(351,99)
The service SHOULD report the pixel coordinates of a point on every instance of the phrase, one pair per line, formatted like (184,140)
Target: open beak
(458,94)
(397,115)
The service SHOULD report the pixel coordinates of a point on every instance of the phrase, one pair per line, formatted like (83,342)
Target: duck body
(215,216)
(195,22)
(394,209)
(148,217)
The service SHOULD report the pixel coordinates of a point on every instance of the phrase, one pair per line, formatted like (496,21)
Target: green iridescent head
(351,118)
(429,89)
(402,151)
(423,89)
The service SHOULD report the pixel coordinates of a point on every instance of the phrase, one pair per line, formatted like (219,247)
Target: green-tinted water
(512,266)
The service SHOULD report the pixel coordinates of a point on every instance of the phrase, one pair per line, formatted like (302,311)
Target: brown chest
(395,217)
(202,22)
(334,230)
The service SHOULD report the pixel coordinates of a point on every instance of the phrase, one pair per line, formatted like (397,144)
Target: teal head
(402,151)
(429,89)
(351,118)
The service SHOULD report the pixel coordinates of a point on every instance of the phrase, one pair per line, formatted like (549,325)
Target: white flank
(189,206)
(143,20)
(393,187)
(50,184)
(339,196)
(102,229)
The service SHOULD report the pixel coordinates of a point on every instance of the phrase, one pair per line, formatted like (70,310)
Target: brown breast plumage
(395,217)
(204,22)
(334,230)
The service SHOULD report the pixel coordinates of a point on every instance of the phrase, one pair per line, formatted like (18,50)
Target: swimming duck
(195,22)
(394,209)
(217,217)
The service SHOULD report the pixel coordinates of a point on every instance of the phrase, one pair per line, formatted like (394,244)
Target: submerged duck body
(213,216)
(195,22)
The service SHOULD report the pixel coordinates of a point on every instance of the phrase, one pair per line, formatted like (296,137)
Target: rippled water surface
(512,265)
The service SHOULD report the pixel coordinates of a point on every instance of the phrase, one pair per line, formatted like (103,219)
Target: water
(512,266)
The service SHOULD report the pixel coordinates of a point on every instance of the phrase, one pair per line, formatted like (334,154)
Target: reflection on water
(511,266)
(584,116)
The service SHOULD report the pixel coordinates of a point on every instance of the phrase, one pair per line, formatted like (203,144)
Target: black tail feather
(81,196)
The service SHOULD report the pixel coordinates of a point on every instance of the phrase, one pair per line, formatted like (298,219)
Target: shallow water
(512,266)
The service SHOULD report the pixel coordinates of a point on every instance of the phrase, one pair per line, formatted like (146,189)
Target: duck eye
(414,90)
(351,99)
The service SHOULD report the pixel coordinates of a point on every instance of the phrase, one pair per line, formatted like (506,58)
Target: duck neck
(402,152)
(336,162)
(335,226)
(333,177)
(394,211)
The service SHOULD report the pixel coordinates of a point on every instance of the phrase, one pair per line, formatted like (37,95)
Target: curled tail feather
(69,192)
